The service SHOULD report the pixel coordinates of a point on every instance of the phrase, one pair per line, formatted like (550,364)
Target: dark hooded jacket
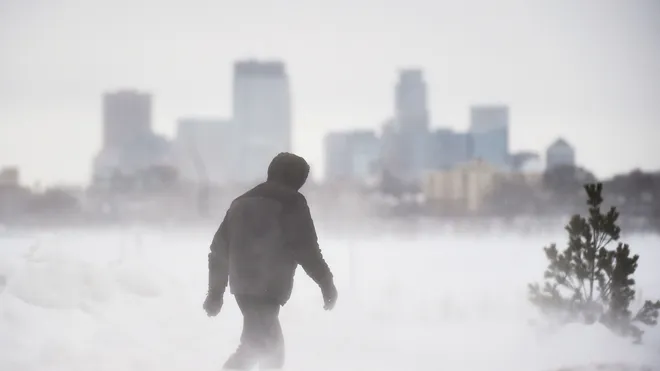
(267,232)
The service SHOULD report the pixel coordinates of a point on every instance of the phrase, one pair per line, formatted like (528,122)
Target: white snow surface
(131,299)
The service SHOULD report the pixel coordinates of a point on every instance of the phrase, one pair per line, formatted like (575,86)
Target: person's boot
(272,360)
(242,359)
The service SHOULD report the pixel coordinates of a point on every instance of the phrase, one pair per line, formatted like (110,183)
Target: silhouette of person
(266,233)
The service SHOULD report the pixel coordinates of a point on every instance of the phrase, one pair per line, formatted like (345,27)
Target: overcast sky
(588,71)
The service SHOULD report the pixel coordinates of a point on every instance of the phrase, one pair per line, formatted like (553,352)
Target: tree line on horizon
(635,194)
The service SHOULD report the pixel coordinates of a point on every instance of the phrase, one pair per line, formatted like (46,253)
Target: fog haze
(565,69)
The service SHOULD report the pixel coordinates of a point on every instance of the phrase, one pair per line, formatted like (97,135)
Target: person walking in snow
(266,233)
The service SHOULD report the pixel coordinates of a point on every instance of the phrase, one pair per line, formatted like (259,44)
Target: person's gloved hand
(213,304)
(330,294)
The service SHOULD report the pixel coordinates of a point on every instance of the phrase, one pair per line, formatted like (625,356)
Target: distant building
(126,116)
(462,189)
(262,114)
(10,177)
(411,99)
(14,199)
(448,149)
(337,157)
(389,159)
(409,130)
(141,154)
(466,188)
(489,127)
(365,154)
(206,150)
(560,153)
(129,143)
(351,156)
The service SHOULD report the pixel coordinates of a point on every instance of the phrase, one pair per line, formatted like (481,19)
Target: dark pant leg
(261,340)
(245,357)
(273,355)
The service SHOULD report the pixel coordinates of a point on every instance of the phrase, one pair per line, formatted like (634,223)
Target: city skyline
(561,76)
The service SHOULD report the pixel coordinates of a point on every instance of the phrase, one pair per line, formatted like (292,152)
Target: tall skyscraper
(262,113)
(129,143)
(448,149)
(560,153)
(489,127)
(412,124)
(126,116)
(411,99)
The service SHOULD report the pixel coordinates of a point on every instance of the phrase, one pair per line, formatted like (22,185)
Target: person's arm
(305,246)
(218,260)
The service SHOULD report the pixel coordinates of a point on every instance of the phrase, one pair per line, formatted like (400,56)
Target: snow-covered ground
(132,300)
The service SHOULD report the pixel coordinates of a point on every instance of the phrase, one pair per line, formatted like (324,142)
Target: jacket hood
(289,170)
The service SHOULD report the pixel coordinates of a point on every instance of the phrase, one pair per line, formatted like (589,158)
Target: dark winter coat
(265,234)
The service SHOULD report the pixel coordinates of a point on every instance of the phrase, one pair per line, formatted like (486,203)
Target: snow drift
(131,300)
